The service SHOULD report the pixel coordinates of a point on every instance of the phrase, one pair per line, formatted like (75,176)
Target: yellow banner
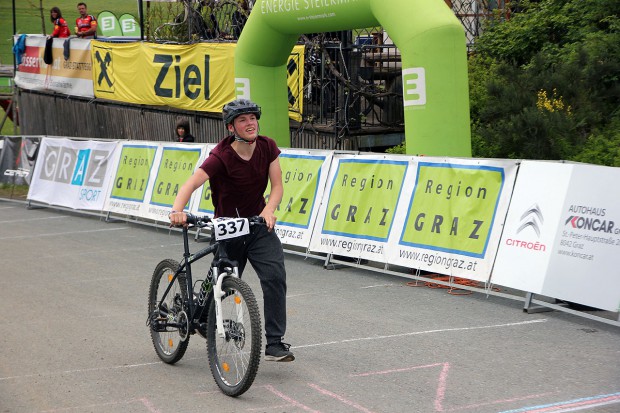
(196,77)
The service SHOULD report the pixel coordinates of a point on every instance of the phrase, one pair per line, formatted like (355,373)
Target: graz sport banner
(198,76)
(562,234)
(451,214)
(70,72)
(147,177)
(73,174)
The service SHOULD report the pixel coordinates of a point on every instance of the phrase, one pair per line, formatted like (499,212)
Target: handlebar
(205,220)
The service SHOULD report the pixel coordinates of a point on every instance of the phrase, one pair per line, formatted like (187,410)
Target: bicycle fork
(217,296)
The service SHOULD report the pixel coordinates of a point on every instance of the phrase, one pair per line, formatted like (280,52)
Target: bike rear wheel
(170,342)
(234,358)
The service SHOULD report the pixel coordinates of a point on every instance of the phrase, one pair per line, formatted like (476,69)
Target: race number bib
(226,228)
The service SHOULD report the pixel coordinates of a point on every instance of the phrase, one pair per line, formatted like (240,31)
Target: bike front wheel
(170,342)
(234,358)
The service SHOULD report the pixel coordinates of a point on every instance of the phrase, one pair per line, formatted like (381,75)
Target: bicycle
(233,325)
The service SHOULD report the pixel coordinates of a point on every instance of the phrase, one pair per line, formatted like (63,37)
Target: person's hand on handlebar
(177,218)
(270,219)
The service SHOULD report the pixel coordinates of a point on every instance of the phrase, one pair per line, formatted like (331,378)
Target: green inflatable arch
(434,63)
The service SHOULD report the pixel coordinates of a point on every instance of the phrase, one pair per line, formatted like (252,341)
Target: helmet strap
(240,139)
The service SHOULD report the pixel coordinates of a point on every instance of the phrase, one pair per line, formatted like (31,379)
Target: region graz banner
(73,174)
(562,234)
(439,215)
(451,214)
(359,206)
(304,175)
(70,73)
(148,176)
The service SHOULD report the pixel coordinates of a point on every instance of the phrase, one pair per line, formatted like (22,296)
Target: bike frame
(186,267)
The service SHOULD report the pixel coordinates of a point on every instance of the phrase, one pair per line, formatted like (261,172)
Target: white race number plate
(226,228)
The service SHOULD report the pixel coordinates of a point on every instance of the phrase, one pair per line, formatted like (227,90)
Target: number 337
(225,228)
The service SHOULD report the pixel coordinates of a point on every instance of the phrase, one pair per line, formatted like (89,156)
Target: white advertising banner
(358,209)
(562,234)
(450,216)
(73,174)
(69,73)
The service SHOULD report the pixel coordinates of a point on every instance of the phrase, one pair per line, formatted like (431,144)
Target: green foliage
(545,84)
(398,149)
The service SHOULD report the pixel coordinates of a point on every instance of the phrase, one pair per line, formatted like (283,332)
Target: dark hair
(182,123)
(82,4)
(57,10)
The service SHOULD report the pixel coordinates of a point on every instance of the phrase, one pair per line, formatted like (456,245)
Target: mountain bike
(221,308)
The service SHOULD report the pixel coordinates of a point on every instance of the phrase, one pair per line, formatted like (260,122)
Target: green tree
(546,83)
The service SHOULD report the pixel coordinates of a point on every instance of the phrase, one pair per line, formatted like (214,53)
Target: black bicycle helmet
(239,107)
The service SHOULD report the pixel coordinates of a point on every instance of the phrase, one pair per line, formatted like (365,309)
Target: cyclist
(238,170)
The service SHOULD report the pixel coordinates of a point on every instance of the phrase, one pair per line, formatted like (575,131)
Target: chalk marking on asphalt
(62,233)
(126,366)
(571,405)
(415,333)
(339,398)
(378,285)
(30,219)
(292,401)
(442,386)
(445,330)
(146,402)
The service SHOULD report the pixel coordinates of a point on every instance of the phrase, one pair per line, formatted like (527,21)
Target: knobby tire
(234,359)
(169,345)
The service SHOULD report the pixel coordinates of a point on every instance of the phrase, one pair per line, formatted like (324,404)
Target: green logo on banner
(363,198)
(132,174)
(453,208)
(175,167)
(300,177)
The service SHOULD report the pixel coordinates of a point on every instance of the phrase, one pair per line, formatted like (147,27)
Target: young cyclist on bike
(238,170)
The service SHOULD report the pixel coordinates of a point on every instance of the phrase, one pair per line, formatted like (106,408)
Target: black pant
(264,251)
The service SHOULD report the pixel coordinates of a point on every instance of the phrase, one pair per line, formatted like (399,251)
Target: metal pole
(14,31)
(141,15)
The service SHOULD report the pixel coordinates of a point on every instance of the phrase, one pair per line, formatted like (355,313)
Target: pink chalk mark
(339,398)
(440,393)
(572,406)
(147,403)
(515,399)
(290,400)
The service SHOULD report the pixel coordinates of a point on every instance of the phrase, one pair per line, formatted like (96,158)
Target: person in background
(238,170)
(182,131)
(61,28)
(86,24)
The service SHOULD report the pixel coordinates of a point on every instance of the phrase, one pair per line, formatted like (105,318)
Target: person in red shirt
(61,28)
(86,24)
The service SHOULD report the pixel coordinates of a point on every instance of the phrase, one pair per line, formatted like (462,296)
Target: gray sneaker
(278,352)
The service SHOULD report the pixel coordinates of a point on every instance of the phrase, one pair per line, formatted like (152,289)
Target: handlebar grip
(192,219)
(256,220)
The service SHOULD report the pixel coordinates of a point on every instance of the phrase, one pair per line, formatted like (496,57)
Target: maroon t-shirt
(237,185)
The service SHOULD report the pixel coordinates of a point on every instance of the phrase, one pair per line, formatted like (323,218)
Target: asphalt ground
(73,296)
